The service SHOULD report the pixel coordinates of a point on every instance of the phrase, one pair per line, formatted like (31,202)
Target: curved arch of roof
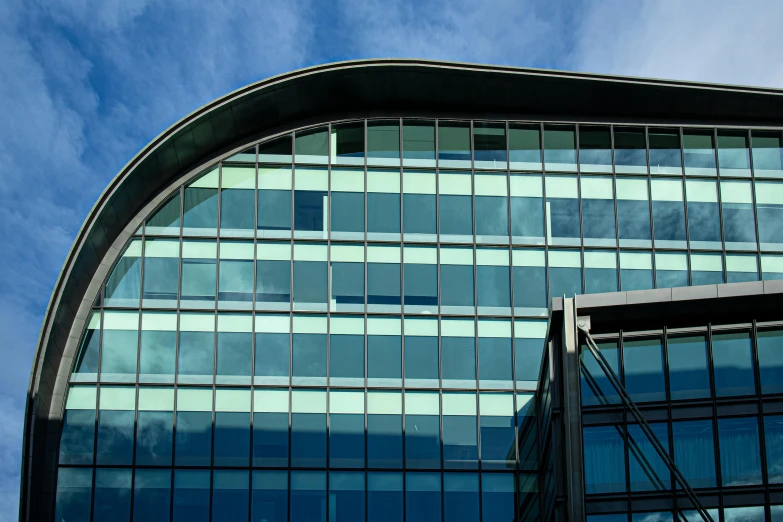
(361,88)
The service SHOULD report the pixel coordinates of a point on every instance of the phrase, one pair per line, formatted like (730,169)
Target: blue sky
(84,84)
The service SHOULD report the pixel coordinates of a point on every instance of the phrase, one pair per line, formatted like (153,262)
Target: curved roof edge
(340,90)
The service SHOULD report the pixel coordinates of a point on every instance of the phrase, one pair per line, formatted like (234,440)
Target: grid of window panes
(713,396)
(357,310)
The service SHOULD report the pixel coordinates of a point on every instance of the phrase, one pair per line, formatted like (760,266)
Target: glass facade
(347,323)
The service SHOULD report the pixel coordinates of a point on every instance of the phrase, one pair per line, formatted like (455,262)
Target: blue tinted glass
(773,439)
(461,497)
(234,356)
(699,152)
(193,438)
(497,496)
(310,279)
(618,517)
(770,346)
(384,441)
(497,441)
(232,438)
(665,152)
(738,223)
(384,497)
(272,352)
(270,439)
(493,284)
(694,452)
(633,219)
(596,387)
(383,284)
(563,214)
(152,495)
(604,459)
(559,147)
(668,220)
(740,453)
(269,496)
(273,281)
(530,287)
(161,277)
(421,358)
(418,140)
(383,140)
(87,361)
(196,356)
(458,359)
(124,284)
(274,210)
(653,516)
(733,360)
(383,213)
(644,369)
(346,440)
(191,495)
(347,212)
(703,222)
(419,216)
(112,499)
(77,440)
(689,376)
(494,359)
(235,282)
(489,142)
(454,143)
(158,354)
(348,141)
(528,497)
(528,354)
(237,209)
(348,284)
(421,285)
(422,497)
(636,279)
(671,278)
(599,280)
(491,216)
(309,355)
(118,356)
(308,496)
(456,285)
(230,495)
(744,514)
(526,432)
(460,442)
(456,215)
(703,277)
(310,210)
(346,496)
(201,208)
(564,281)
(74,494)
(648,471)
(422,441)
(166,219)
(595,149)
(629,150)
(527,217)
(154,437)
(115,437)
(198,280)
(384,359)
(346,359)
(598,218)
(308,440)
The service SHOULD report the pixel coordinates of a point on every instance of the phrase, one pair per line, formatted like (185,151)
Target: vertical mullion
(650,200)
(720,208)
(256,211)
(667,392)
(616,214)
(714,420)
(760,415)
(579,202)
(755,208)
(547,237)
(176,354)
(215,343)
(291,318)
(685,211)
(136,384)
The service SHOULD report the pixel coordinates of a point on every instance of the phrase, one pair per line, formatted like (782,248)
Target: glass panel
(671,270)
(77,437)
(598,211)
(273,276)
(529,281)
(744,514)
(383,279)
(769,206)
(668,213)
(562,210)
(699,152)
(346,430)
(348,143)
(308,428)
(115,426)
(665,155)
(383,204)
(491,202)
(269,496)
(124,284)
(767,154)
(740,453)
(456,280)
(384,355)
(421,279)
(706,269)
(527,209)
(384,497)
(199,271)
(161,273)
(201,205)
(383,142)
(694,452)
(346,352)
(272,349)
(560,148)
(420,220)
(739,229)
(194,437)
(773,440)
(166,220)
(422,497)
(308,496)
(565,273)
(112,495)
(196,348)
(230,495)
(237,201)
(497,496)
(595,385)
(741,268)
(191,495)
(232,429)
(155,426)
(630,151)
(384,430)
(771,267)
(346,496)
(453,144)
(497,430)
(235,280)
(347,204)
(528,345)
(688,371)
(494,349)
(86,367)
(461,497)
(309,353)
(703,214)
(489,141)
(421,353)
(312,146)
(770,347)
(460,428)
(274,201)
(600,271)
(636,271)
(643,360)
(418,143)
(270,428)
(524,143)
(493,286)
(733,359)
(277,150)
(310,277)
(458,360)
(733,153)
(119,346)
(422,430)
(158,347)
(247,155)
(74,494)
(152,495)
(648,472)
(311,202)
(456,211)
(633,212)
(604,460)
(595,149)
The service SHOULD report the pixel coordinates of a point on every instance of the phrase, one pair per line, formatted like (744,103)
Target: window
(643,360)
(274,151)
(460,428)
(235,280)
(158,347)
(201,205)
(422,497)
(199,271)
(347,278)
(456,280)
(528,351)
(489,140)
(383,142)
(421,279)
(559,148)
(529,271)
(595,149)
(312,146)
(773,438)
(384,496)
(562,210)
(527,209)
(193,442)
(311,202)
(230,492)
(155,426)
(346,429)
(232,427)
(421,353)
(497,495)
(274,201)
(770,347)
(491,208)
(706,269)
(152,494)
(418,143)
(671,270)
(733,360)
(565,273)
(740,453)
(273,276)
(308,496)
(383,204)
(309,350)
(771,267)
(384,352)
(454,144)
(497,430)
(688,371)
(74,494)
(112,494)
(769,205)
(347,204)
(166,220)
(86,366)
(598,211)
(124,284)
(346,496)
(595,385)
(119,347)
(383,279)
(493,283)
(647,471)
(455,206)
(526,431)
(77,436)
(630,151)
(635,271)
(767,154)
(310,277)
(270,427)
(494,352)
(741,268)
(665,154)
(699,153)
(237,201)
(703,214)
(603,459)
(524,144)
(346,352)
(269,496)
(234,349)
(460,497)
(633,212)
(384,429)
(733,153)
(420,220)
(196,348)
(347,145)
(422,431)
(739,231)
(308,429)
(458,353)
(600,271)
(161,273)
(668,213)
